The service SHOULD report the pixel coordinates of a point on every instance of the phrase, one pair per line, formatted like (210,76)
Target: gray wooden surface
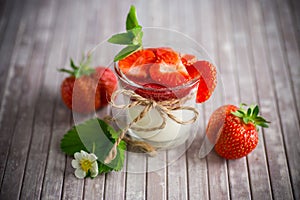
(255,44)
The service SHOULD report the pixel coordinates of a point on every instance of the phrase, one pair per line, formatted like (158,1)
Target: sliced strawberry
(193,72)
(169,75)
(208,79)
(160,92)
(136,65)
(188,59)
(167,55)
(156,92)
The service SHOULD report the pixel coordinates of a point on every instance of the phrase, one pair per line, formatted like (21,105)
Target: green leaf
(122,38)
(249,111)
(127,51)
(264,125)
(256,111)
(72,64)
(71,143)
(138,36)
(67,71)
(246,120)
(131,37)
(238,114)
(131,20)
(94,136)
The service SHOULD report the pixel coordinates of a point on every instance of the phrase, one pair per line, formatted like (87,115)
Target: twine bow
(164,109)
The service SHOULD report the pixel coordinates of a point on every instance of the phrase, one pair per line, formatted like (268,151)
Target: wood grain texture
(255,45)
(284,95)
(277,160)
(38,149)
(237,169)
(257,164)
(290,35)
(10,23)
(73,188)
(30,91)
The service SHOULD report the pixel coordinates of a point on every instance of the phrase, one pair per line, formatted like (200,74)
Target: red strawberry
(167,55)
(107,83)
(159,92)
(169,75)
(156,92)
(87,89)
(233,130)
(188,59)
(208,78)
(168,69)
(136,65)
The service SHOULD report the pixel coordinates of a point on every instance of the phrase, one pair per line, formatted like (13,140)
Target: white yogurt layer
(172,135)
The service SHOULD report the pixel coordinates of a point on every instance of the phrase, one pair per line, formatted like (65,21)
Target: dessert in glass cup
(160,86)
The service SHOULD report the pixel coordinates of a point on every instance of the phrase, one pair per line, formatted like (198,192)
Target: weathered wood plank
(257,164)
(21,54)
(294,7)
(136,176)
(156,177)
(277,163)
(9,54)
(73,188)
(177,174)
(23,129)
(237,169)
(55,184)
(283,89)
(39,147)
(7,42)
(6,8)
(290,34)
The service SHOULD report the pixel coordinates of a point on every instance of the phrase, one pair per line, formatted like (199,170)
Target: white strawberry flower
(85,163)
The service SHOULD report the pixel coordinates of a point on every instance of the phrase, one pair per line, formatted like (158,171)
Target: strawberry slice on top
(167,55)
(136,66)
(188,59)
(169,75)
(208,78)
(168,69)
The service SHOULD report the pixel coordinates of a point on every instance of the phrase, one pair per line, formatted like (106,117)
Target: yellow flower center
(86,165)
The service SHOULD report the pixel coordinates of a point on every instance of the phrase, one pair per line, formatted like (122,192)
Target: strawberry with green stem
(234,131)
(87,89)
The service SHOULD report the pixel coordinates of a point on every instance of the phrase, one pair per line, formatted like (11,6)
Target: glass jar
(169,121)
(174,132)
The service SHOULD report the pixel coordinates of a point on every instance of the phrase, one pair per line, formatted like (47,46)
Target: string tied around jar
(164,109)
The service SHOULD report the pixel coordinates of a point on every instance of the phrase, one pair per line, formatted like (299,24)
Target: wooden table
(255,44)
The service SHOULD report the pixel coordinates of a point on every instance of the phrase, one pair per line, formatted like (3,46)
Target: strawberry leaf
(132,38)
(249,111)
(126,52)
(122,38)
(251,115)
(131,20)
(238,114)
(72,64)
(255,111)
(94,136)
(83,68)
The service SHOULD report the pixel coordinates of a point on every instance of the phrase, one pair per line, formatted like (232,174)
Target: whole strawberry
(87,89)
(234,130)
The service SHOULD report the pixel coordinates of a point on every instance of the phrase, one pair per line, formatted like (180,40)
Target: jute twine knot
(164,109)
